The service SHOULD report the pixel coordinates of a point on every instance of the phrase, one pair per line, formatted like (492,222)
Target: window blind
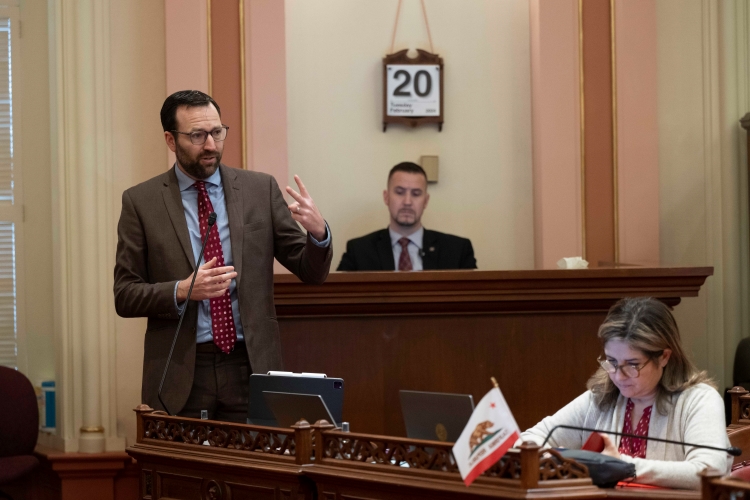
(8,310)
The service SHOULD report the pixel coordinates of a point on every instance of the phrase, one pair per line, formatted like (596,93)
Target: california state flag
(485,439)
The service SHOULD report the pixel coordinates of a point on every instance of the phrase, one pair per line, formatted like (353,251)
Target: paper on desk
(572,263)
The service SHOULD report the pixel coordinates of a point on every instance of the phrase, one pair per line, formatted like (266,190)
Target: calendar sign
(413,89)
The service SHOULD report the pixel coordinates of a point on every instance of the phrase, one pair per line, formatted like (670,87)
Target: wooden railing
(320,447)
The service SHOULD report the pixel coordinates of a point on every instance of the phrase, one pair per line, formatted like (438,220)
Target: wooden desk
(306,462)
(450,331)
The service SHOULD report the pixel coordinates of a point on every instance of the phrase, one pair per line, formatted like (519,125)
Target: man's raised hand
(210,282)
(305,212)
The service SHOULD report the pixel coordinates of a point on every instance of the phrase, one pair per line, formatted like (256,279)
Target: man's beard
(407,222)
(193,166)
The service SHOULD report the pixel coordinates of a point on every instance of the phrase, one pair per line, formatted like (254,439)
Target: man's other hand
(210,282)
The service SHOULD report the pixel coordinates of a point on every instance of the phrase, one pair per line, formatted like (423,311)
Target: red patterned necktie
(404,261)
(222,320)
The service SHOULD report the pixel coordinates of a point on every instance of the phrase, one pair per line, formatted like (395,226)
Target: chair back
(19,422)
(741,373)
(741,471)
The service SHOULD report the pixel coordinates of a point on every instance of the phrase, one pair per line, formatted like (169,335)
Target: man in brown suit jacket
(159,240)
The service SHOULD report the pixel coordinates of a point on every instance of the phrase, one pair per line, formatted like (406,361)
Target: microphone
(211,222)
(732,450)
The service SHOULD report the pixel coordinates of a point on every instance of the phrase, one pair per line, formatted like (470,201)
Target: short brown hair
(188,98)
(646,324)
(409,168)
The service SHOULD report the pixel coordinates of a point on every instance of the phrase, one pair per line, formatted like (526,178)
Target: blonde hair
(646,324)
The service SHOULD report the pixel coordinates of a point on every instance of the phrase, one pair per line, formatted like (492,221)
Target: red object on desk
(594,443)
(626,484)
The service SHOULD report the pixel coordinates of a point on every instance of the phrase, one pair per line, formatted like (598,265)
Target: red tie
(404,261)
(222,320)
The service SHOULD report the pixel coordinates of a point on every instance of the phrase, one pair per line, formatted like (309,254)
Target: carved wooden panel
(744,410)
(178,486)
(252,492)
(220,435)
(434,456)
(147,478)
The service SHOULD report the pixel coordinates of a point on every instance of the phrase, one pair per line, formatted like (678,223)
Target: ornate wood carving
(740,406)
(258,439)
(330,446)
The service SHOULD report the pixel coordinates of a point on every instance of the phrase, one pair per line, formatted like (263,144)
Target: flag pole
(494,382)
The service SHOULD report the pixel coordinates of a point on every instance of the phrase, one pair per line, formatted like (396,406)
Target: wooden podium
(450,331)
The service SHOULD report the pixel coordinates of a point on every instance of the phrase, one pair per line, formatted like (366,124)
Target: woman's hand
(609,447)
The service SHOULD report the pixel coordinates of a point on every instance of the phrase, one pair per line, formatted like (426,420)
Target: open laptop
(289,408)
(259,413)
(435,415)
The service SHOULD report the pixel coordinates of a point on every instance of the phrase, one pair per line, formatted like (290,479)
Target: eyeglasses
(629,370)
(200,136)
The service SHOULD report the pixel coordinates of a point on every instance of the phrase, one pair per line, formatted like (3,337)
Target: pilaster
(82,184)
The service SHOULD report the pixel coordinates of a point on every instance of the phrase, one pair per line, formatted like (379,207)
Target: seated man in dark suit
(405,245)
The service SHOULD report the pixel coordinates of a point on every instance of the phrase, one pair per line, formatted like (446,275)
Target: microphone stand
(732,450)
(211,222)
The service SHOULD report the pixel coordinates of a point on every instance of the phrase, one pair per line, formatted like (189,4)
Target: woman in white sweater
(646,386)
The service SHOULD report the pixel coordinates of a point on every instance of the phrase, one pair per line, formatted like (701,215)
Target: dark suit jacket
(154,252)
(373,252)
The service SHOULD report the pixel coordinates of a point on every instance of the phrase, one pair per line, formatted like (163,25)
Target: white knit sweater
(695,416)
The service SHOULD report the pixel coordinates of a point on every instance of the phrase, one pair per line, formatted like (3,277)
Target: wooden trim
(243,87)
(582,110)
(471,292)
(615,187)
(72,476)
(598,183)
(210,48)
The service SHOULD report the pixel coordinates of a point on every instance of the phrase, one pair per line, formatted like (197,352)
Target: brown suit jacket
(154,252)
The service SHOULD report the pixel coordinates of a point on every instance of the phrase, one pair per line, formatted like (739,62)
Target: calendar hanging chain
(395,26)
(426,23)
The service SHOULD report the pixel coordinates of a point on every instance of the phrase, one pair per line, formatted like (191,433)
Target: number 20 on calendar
(413,90)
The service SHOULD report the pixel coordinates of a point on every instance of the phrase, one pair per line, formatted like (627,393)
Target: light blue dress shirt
(190,205)
(414,248)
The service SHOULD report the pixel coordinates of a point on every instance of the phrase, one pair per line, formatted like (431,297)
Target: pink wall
(226,76)
(556,130)
(186,47)
(598,149)
(265,76)
(638,154)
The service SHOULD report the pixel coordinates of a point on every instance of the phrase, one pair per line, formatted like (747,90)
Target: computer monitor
(435,415)
(258,412)
(289,408)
